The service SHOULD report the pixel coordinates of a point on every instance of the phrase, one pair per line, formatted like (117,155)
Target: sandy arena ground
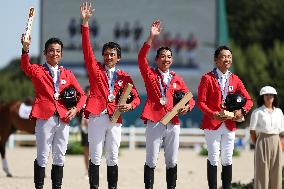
(191,170)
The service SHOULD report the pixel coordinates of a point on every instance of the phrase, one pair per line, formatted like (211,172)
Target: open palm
(86,10)
(156,28)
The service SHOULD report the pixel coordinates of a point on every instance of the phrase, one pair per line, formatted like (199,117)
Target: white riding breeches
(218,140)
(51,134)
(103,134)
(156,133)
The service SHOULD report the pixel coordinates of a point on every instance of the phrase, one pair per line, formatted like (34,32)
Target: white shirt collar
(110,69)
(221,74)
(52,68)
(266,109)
(167,73)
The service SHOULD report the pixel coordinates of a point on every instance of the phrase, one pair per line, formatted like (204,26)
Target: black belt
(56,113)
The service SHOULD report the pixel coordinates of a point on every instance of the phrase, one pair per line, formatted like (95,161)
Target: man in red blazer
(106,82)
(220,132)
(161,84)
(51,114)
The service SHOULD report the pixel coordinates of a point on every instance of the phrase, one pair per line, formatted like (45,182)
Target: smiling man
(52,114)
(220,132)
(106,82)
(161,85)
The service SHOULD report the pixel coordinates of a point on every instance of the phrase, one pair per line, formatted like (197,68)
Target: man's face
(224,60)
(53,54)
(110,57)
(164,60)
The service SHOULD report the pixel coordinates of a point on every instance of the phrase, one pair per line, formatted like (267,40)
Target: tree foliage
(14,84)
(256,34)
(259,21)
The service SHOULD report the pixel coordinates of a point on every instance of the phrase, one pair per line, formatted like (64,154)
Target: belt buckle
(56,113)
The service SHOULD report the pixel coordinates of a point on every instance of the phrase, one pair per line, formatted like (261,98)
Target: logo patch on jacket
(63,81)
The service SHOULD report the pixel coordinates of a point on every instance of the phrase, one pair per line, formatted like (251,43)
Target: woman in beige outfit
(267,122)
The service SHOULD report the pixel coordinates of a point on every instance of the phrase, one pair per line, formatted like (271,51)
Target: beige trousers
(267,162)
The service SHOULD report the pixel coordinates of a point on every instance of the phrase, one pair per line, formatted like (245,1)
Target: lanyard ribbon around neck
(224,90)
(111,81)
(55,84)
(163,89)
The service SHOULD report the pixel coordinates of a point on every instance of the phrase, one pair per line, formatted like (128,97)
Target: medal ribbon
(111,81)
(55,84)
(164,89)
(226,88)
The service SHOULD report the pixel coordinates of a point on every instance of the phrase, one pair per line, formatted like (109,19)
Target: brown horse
(9,122)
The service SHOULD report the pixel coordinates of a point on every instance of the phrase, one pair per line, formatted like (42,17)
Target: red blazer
(153,110)
(99,91)
(45,105)
(210,99)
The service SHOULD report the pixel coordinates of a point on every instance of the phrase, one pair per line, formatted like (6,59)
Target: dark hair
(53,40)
(219,49)
(87,88)
(260,101)
(161,49)
(112,45)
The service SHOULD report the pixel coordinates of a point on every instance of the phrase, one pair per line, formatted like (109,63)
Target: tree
(14,84)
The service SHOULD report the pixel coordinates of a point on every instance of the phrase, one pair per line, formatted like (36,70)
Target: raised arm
(28,68)
(86,13)
(142,56)
(155,31)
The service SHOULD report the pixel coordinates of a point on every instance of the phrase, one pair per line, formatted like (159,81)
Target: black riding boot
(211,175)
(226,176)
(112,176)
(56,176)
(94,175)
(171,177)
(39,173)
(148,177)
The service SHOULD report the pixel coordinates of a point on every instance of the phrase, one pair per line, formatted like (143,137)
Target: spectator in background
(177,44)
(137,33)
(267,122)
(167,39)
(94,29)
(191,45)
(125,32)
(117,33)
(72,29)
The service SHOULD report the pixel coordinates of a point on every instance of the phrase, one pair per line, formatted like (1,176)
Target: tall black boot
(226,176)
(148,177)
(171,177)
(94,175)
(211,175)
(112,176)
(56,176)
(39,173)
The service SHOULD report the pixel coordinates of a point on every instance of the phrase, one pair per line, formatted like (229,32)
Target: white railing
(189,137)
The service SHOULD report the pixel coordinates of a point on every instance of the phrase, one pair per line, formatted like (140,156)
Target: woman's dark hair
(53,40)
(219,49)
(112,45)
(260,101)
(161,49)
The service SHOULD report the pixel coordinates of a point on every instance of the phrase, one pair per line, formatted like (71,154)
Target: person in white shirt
(267,122)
